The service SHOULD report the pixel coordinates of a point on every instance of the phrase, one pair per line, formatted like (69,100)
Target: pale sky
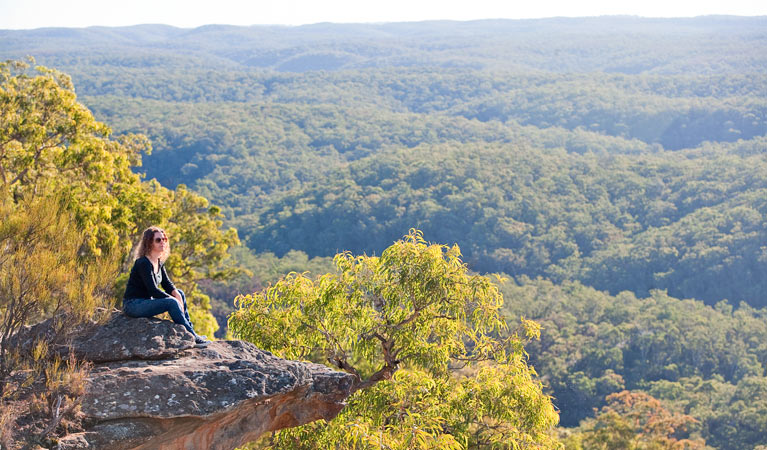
(25,14)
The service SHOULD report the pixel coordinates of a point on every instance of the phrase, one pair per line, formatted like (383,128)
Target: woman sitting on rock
(143,296)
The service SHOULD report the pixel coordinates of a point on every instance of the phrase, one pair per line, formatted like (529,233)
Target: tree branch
(385,373)
(56,417)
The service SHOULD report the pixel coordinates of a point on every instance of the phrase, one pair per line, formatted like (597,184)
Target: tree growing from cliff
(421,335)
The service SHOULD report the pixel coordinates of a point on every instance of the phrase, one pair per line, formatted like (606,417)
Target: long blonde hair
(145,244)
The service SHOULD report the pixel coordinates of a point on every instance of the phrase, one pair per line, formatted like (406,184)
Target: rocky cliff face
(151,389)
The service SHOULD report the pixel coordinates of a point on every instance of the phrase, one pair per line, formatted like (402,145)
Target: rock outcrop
(151,389)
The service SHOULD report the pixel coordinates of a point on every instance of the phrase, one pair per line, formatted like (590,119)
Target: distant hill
(711,44)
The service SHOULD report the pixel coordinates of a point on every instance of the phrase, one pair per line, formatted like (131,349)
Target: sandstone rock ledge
(151,389)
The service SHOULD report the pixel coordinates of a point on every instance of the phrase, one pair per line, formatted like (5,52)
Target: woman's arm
(177,295)
(165,282)
(170,287)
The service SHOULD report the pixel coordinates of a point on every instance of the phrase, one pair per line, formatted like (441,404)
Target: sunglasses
(160,239)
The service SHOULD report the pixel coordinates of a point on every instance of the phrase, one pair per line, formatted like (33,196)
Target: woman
(144,296)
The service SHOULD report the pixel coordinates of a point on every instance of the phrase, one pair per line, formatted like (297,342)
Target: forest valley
(516,234)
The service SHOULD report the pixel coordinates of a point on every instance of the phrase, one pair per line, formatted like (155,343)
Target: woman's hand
(178,298)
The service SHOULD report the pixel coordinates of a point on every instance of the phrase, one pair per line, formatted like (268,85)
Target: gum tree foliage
(420,334)
(51,143)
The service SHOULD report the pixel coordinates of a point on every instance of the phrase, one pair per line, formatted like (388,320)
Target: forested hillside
(706,362)
(609,166)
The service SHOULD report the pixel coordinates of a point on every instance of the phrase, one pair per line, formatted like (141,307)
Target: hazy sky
(20,14)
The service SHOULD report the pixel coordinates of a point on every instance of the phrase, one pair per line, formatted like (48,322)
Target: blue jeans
(149,307)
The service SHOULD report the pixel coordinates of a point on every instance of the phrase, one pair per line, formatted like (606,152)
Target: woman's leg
(142,307)
(186,315)
(152,307)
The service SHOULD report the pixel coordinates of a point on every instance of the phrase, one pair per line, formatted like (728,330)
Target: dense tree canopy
(634,421)
(699,360)
(402,323)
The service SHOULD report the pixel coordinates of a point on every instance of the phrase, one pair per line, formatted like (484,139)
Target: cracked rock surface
(151,389)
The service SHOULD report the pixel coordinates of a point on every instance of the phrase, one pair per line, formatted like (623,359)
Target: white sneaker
(201,341)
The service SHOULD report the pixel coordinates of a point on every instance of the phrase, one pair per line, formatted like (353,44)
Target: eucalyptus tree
(422,336)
